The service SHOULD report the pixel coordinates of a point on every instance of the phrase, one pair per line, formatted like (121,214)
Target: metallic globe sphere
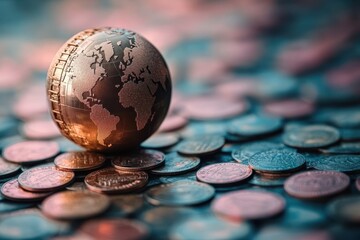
(109,89)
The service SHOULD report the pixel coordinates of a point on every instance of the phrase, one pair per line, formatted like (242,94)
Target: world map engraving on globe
(109,89)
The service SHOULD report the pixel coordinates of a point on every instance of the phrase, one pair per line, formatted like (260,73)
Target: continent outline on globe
(109,89)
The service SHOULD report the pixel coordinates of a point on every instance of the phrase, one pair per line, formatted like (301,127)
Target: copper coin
(30,151)
(113,229)
(139,161)
(12,191)
(7,168)
(172,123)
(79,161)
(201,145)
(40,129)
(248,205)
(70,205)
(289,109)
(163,140)
(223,173)
(110,180)
(44,178)
(357,183)
(316,184)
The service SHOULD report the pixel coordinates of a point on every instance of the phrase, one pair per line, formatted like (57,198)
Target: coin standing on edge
(138,161)
(316,184)
(8,168)
(70,205)
(180,193)
(176,164)
(44,178)
(223,173)
(110,180)
(248,205)
(79,161)
(311,136)
(202,145)
(12,191)
(31,151)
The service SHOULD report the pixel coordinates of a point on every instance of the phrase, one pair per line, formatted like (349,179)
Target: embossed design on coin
(31,151)
(7,168)
(12,191)
(79,161)
(177,164)
(71,205)
(254,125)
(110,180)
(316,184)
(202,145)
(277,161)
(127,229)
(44,179)
(312,136)
(162,140)
(223,173)
(342,163)
(248,205)
(138,161)
(180,193)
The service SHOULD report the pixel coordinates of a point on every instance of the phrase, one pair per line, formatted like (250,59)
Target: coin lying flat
(342,163)
(254,125)
(40,129)
(30,151)
(345,209)
(127,204)
(210,228)
(248,205)
(74,205)
(202,145)
(138,161)
(177,164)
(114,228)
(316,184)
(276,161)
(44,178)
(343,148)
(311,136)
(172,123)
(223,173)
(290,108)
(79,161)
(7,168)
(12,191)
(163,140)
(110,180)
(180,193)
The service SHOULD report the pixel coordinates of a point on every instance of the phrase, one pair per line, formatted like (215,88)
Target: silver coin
(342,163)
(176,164)
(163,140)
(138,161)
(180,193)
(201,145)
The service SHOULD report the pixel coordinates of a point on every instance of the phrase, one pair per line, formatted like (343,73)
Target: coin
(290,108)
(77,186)
(138,161)
(172,123)
(8,168)
(70,205)
(342,163)
(127,204)
(201,145)
(243,153)
(357,183)
(79,161)
(114,228)
(110,180)
(248,205)
(30,151)
(277,161)
(210,227)
(223,173)
(12,191)
(170,179)
(44,178)
(316,184)
(163,140)
(343,148)
(254,125)
(40,129)
(311,136)
(345,209)
(348,118)
(177,164)
(261,180)
(180,193)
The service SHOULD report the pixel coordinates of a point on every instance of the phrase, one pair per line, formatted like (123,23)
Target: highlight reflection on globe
(109,89)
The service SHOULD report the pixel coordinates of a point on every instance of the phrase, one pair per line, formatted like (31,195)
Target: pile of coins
(262,138)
